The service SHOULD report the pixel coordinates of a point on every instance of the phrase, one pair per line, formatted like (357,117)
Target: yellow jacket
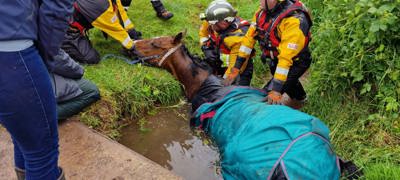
(229,48)
(110,17)
(292,41)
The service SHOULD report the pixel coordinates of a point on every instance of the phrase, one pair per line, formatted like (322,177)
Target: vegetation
(353,85)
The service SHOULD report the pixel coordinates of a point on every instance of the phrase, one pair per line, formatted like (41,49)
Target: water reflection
(170,143)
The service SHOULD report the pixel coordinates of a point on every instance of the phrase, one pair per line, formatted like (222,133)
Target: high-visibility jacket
(107,15)
(227,42)
(282,35)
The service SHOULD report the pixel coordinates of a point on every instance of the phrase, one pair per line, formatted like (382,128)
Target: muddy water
(166,139)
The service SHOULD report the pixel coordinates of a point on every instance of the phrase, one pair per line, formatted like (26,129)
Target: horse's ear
(178,38)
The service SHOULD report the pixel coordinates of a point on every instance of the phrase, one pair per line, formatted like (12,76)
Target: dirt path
(85,154)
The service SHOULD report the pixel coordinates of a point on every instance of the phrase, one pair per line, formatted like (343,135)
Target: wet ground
(166,138)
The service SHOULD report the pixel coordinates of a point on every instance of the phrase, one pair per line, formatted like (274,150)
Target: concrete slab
(86,154)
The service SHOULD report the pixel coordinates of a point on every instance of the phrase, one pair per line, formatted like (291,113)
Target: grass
(128,92)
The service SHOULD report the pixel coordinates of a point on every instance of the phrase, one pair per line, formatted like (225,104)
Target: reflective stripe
(114,18)
(127,22)
(245,49)
(203,39)
(225,59)
(126,41)
(282,71)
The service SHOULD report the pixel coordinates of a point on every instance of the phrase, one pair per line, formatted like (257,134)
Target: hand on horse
(131,53)
(274,97)
(133,34)
(231,77)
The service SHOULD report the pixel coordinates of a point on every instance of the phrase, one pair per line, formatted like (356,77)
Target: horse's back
(255,138)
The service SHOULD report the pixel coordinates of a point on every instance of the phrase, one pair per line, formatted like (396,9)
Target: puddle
(167,139)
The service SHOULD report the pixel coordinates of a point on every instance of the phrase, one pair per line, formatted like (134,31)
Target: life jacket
(267,34)
(79,21)
(222,49)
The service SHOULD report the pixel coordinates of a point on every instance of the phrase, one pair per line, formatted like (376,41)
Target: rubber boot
(161,11)
(20,173)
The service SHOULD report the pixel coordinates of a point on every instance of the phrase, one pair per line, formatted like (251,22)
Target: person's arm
(109,23)
(203,33)
(63,65)
(53,20)
(248,42)
(233,43)
(293,40)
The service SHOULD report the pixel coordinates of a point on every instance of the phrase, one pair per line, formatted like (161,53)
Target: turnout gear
(283,34)
(107,15)
(160,10)
(226,44)
(220,10)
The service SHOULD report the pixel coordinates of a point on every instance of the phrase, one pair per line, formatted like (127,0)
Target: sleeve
(63,65)
(203,32)
(233,43)
(53,20)
(248,40)
(292,43)
(109,23)
(126,21)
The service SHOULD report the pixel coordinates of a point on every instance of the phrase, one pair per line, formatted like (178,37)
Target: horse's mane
(198,62)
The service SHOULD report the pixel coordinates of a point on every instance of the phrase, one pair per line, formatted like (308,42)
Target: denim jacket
(43,21)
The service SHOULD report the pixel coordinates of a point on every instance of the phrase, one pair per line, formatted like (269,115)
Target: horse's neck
(181,69)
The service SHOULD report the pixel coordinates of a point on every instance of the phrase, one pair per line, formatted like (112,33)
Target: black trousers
(292,86)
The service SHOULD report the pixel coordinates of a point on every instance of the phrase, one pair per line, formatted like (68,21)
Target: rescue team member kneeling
(220,36)
(73,93)
(107,15)
(282,28)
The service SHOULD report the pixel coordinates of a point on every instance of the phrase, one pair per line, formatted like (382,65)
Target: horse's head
(157,51)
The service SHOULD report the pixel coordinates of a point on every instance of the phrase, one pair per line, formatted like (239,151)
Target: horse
(255,140)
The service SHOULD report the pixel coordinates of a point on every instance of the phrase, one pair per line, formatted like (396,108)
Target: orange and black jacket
(228,42)
(283,35)
(107,15)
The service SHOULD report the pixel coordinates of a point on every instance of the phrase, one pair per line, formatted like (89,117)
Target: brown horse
(255,140)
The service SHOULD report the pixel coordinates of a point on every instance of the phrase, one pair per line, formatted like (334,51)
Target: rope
(127,60)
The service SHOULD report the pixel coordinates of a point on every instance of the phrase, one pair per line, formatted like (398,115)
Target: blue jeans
(28,112)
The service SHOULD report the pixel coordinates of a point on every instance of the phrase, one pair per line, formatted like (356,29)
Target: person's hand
(131,53)
(274,97)
(231,77)
(134,34)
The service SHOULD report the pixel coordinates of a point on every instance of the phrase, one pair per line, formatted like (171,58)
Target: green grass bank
(353,83)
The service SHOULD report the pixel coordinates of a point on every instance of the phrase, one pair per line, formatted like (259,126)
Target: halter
(169,52)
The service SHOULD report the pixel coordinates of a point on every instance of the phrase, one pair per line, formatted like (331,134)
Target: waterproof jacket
(42,20)
(290,36)
(64,72)
(227,42)
(107,15)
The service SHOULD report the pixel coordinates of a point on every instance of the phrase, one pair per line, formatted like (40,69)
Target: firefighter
(107,15)
(282,28)
(220,36)
(158,6)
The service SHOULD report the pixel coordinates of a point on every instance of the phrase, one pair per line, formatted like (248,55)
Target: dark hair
(198,62)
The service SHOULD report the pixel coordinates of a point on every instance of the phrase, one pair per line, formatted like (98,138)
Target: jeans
(28,112)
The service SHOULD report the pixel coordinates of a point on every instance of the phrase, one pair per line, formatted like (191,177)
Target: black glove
(131,53)
(133,34)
